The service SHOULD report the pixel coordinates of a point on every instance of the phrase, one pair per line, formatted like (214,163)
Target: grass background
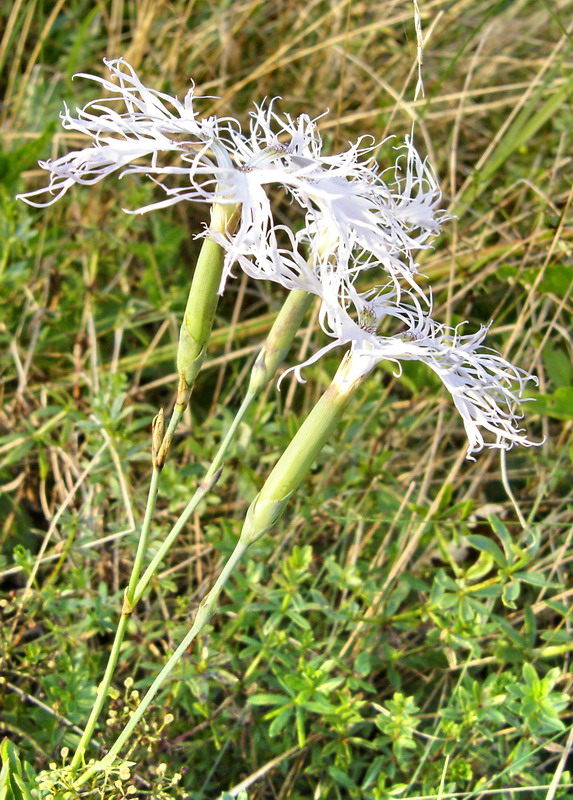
(370,647)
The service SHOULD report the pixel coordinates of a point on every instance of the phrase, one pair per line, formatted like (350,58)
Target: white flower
(388,222)
(348,206)
(346,203)
(486,389)
(354,220)
(145,128)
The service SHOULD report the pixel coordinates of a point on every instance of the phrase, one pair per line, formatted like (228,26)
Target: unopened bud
(157,434)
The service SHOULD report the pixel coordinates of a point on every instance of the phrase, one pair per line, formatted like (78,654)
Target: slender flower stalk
(290,470)
(269,359)
(194,336)
(267,362)
(104,685)
(279,340)
(205,611)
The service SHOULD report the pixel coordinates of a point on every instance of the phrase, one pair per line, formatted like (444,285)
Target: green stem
(202,617)
(289,471)
(138,585)
(205,486)
(142,544)
(103,688)
(280,338)
(271,355)
(194,336)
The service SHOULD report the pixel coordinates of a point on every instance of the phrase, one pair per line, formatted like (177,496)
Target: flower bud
(157,433)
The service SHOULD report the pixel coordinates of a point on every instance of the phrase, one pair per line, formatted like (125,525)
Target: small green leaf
(342,779)
(267,699)
(487,546)
(535,579)
(319,706)
(300,731)
(480,568)
(530,675)
(373,771)
(12,786)
(363,663)
(510,593)
(298,620)
(558,405)
(280,721)
(558,365)
(329,685)
(502,533)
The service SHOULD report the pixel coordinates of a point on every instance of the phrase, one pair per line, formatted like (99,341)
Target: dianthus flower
(355,219)
(346,203)
(485,387)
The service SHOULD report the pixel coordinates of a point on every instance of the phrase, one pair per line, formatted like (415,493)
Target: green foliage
(398,724)
(12,776)
(400,633)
